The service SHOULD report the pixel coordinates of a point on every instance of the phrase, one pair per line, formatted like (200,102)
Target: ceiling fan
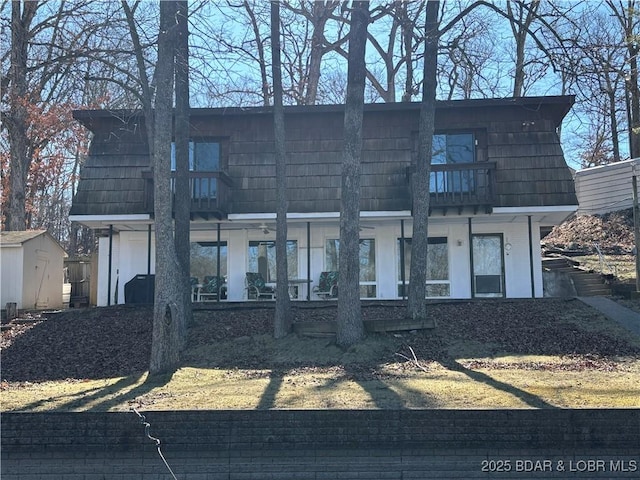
(264,227)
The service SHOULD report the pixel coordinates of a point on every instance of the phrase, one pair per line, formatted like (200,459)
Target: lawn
(543,353)
(622,266)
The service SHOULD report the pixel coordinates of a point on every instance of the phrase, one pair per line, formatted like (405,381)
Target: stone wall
(371,444)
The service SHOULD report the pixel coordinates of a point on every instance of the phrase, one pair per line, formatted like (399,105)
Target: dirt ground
(613,232)
(115,341)
(539,353)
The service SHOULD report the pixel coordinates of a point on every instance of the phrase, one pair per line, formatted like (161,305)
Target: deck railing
(209,192)
(461,184)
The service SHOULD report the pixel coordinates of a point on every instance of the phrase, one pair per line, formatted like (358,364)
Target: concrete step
(587,284)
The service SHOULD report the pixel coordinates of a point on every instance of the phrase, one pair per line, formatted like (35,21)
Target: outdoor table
(293,283)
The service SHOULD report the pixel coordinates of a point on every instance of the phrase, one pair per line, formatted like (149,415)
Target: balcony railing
(209,192)
(461,185)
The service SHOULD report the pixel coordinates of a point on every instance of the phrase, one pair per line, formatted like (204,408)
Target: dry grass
(465,363)
(622,266)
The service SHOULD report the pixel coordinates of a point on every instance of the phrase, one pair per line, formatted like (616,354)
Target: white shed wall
(12,275)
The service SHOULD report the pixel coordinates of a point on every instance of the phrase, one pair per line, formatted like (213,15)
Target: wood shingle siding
(516,139)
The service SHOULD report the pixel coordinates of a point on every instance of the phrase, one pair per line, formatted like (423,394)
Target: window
(262,258)
(204,259)
(452,149)
(204,157)
(367,264)
(438,283)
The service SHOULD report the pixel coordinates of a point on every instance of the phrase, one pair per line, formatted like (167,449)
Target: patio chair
(327,285)
(195,287)
(256,288)
(211,288)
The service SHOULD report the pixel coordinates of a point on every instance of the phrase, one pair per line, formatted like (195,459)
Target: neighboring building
(498,178)
(606,188)
(32,270)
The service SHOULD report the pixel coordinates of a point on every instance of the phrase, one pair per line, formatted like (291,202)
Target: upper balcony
(461,185)
(210,193)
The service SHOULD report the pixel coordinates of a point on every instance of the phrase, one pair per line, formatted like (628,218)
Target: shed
(606,188)
(32,269)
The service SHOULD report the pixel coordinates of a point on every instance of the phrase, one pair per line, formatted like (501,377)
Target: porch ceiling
(545,216)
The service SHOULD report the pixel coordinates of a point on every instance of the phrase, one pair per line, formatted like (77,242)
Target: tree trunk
(264,81)
(634,92)
(22,14)
(416,305)
(520,30)
(182,206)
(168,302)
(320,15)
(350,326)
(282,324)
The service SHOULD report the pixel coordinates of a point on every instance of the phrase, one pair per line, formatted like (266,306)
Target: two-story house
(498,179)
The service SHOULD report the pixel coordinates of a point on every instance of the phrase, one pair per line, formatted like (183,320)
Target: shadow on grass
(531,400)
(103,399)
(268,397)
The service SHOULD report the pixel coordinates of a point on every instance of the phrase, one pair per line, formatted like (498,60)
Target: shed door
(42,281)
(488,266)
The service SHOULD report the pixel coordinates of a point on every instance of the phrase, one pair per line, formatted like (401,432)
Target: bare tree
(182,203)
(628,17)
(394,38)
(466,53)
(521,15)
(22,15)
(304,65)
(282,324)
(350,326)
(169,307)
(595,65)
(416,306)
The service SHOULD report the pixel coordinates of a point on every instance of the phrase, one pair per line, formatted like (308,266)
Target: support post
(403,273)
(110,265)
(636,223)
(218,256)
(308,261)
(531,271)
(149,250)
(473,293)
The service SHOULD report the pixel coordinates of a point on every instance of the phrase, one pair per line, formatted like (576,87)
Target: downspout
(110,265)
(218,263)
(403,275)
(308,261)
(473,294)
(149,250)
(148,283)
(532,273)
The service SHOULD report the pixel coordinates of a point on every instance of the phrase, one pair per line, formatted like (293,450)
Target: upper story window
(451,150)
(205,163)
(204,156)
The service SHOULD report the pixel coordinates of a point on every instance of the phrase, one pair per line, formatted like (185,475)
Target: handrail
(603,263)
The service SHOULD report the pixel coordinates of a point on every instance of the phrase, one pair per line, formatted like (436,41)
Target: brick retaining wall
(363,444)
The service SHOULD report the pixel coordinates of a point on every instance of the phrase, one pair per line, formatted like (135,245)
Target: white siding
(12,275)
(606,188)
(32,274)
(129,254)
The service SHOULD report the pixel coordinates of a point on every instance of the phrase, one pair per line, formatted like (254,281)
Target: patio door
(488,266)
